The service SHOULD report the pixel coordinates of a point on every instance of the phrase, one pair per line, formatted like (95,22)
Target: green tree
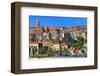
(45,49)
(33,51)
(78,44)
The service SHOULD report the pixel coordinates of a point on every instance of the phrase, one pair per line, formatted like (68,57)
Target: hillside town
(48,41)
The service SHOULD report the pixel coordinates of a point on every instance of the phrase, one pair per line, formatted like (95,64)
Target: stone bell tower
(37,23)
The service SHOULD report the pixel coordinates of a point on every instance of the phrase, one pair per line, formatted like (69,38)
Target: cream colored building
(79,33)
(34,45)
(56,47)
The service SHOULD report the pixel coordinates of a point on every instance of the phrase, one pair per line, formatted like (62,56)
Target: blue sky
(57,21)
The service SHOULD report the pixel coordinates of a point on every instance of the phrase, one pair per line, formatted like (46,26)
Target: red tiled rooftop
(54,28)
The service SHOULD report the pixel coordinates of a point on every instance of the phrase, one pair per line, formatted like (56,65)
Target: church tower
(37,23)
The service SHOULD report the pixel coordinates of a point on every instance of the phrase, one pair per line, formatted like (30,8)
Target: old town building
(56,38)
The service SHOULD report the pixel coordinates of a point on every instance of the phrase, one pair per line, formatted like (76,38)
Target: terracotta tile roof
(75,28)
